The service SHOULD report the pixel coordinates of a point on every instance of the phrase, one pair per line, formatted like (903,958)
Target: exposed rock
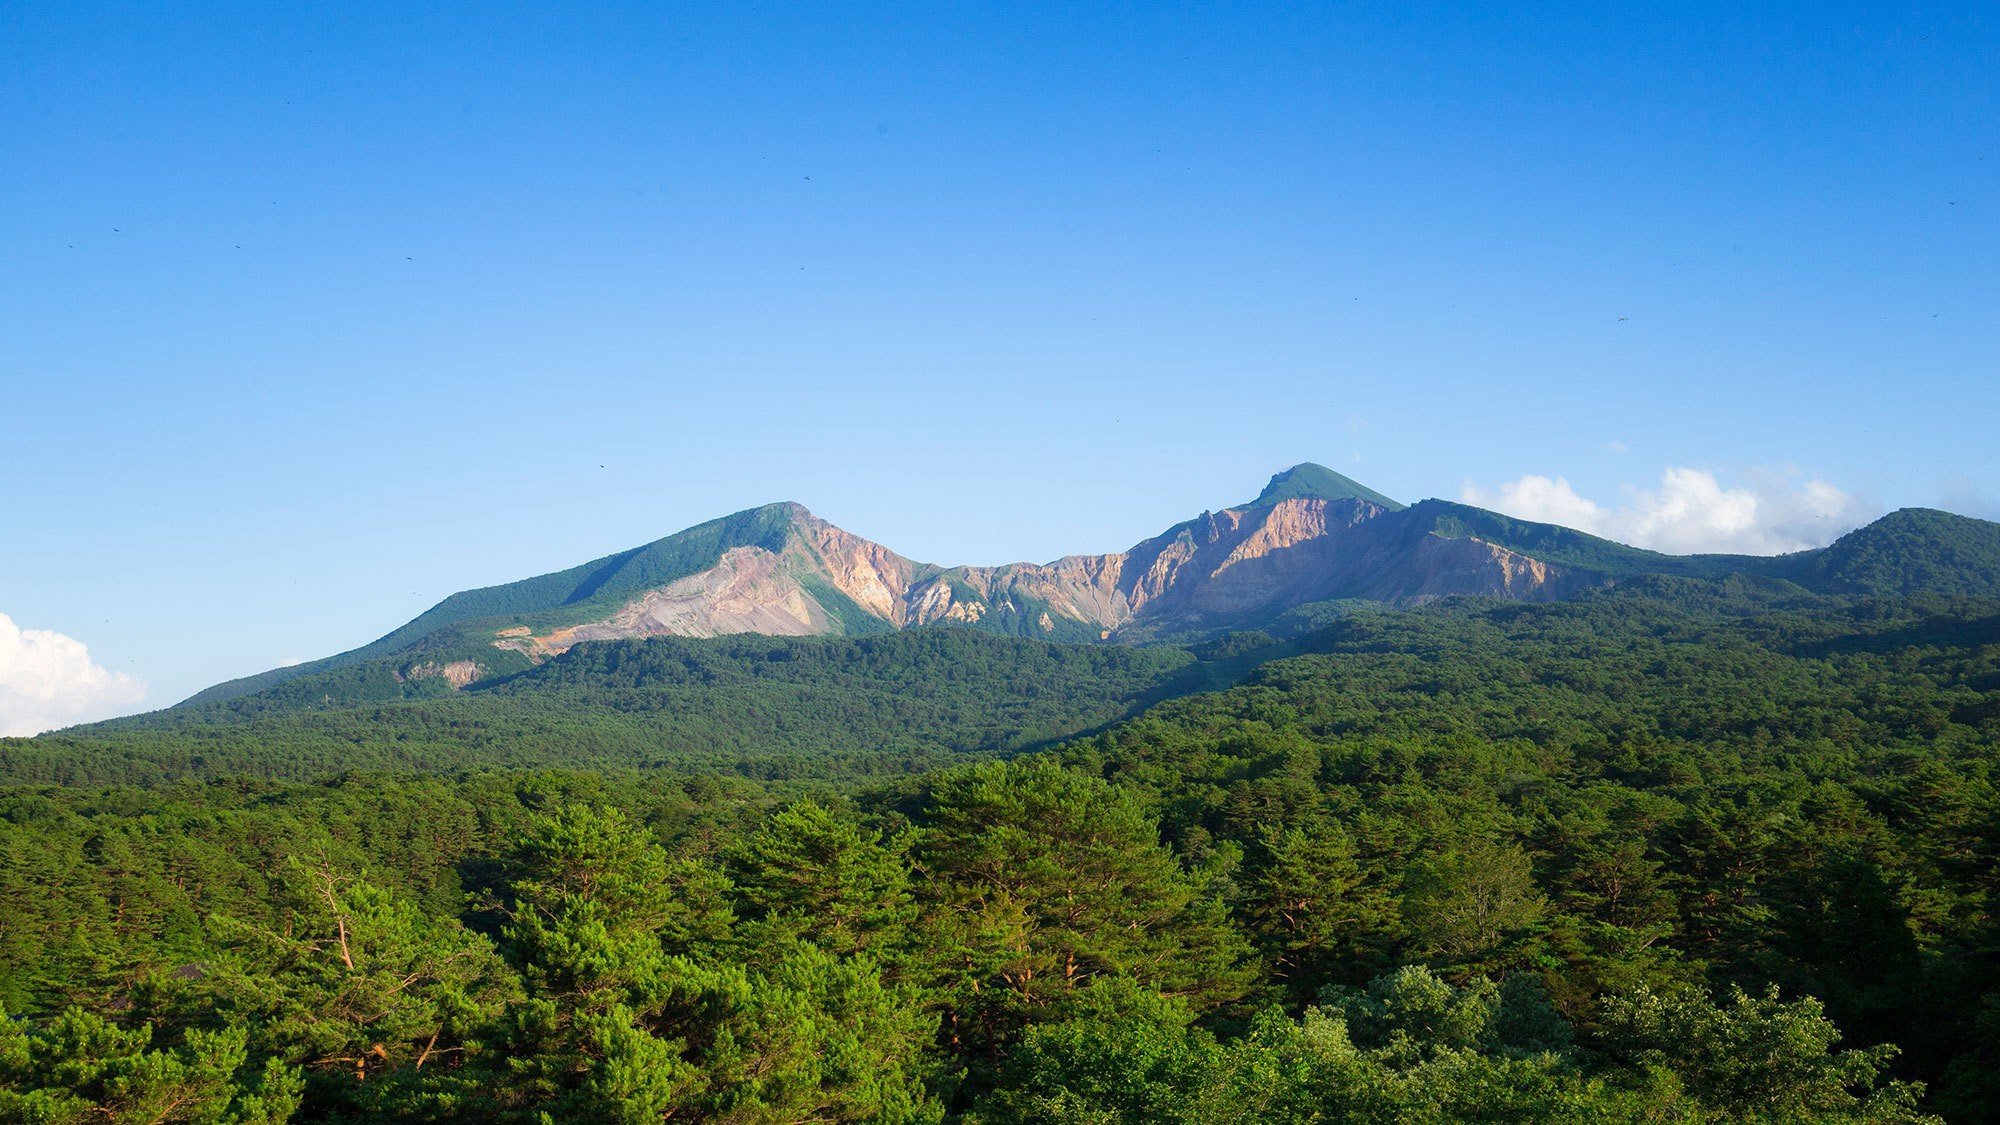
(458,673)
(1220,566)
(874,577)
(750,590)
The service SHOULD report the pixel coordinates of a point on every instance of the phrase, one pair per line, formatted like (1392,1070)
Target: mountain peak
(790,510)
(1908,550)
(1317,482)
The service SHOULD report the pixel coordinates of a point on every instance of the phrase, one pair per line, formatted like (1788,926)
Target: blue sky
(315,314)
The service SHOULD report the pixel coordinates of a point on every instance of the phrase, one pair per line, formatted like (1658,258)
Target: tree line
(1686,851)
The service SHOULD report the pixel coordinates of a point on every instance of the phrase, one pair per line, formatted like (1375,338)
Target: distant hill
(1311,538)
(1908,551)
(770,707)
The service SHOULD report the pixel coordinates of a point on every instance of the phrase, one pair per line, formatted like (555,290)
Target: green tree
(822,1038)
(1314,909)
(359,986)
(590,901)
(1462,903)
(1756,1059)
(80,1069)
(1041,880)
(816,875)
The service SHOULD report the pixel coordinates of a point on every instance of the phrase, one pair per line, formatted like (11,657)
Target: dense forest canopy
(763,706)
(1688,849)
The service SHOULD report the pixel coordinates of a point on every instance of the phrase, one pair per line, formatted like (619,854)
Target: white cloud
(1540,499)
(47,681)
(1690,512)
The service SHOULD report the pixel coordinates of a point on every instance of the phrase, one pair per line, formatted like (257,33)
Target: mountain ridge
(1311,536)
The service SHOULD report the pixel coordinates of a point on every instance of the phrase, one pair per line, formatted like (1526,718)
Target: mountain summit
(1307,481)
(1311,536)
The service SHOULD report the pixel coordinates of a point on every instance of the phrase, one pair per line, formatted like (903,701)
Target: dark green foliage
(1313,906)
(1474,862)
(1914,549)
(1043,881)
(101,888)
(813,875)
(1671,782)
(590,899)
(763,706)
(1462,904)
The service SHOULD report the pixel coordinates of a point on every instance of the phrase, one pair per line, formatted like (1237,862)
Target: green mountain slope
(596,585)
(1572,549)
(1264,566)
(604,582)
(1908,551)
(1317,482)
(749,704)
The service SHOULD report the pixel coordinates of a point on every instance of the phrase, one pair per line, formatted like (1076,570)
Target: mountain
(1308,481)
(1911,550)
(1312,536)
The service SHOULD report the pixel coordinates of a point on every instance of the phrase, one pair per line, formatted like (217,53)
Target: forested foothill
(1688,849)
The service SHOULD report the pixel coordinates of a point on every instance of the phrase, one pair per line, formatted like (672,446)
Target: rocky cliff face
(869,574)
(1311,535)
(1221,567)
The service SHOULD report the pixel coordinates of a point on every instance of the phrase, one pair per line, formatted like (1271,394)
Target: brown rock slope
(1222,568)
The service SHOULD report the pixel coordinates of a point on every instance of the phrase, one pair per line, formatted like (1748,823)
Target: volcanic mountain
(1311,536)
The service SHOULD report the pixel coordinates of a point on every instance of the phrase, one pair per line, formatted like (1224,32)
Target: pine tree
(1314,910)
(1043,880)
(815,875)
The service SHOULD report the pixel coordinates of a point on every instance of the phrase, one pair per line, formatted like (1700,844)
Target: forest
(1689,849)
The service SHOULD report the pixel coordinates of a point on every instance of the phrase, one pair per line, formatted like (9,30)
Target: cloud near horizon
(1690,512)
(47,681)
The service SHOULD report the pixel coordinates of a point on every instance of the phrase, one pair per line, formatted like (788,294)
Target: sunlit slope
(1312,542)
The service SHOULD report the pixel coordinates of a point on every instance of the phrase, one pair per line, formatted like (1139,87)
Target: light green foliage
(588,907)
(358,986)
(1096,1071)
(617,1029)
(1414,1048)
(1756,1059)
(822,1038)
(590,899)
(1408,1016)
(80,1068)
(1428,1054)
(1462,903)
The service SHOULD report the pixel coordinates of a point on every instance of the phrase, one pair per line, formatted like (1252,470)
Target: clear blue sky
(311,315)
